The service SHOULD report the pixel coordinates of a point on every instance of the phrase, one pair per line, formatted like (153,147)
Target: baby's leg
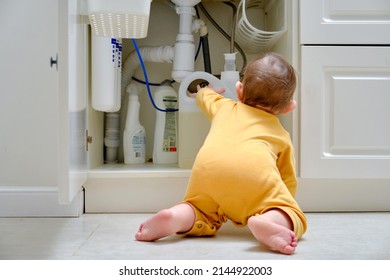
(273,229)
(179,218)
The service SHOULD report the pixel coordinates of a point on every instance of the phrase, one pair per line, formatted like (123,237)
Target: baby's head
(269,83)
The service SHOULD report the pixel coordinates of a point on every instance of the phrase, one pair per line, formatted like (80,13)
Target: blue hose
(147,80)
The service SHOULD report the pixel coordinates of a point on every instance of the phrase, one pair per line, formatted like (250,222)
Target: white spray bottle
(134,136)
(165,133)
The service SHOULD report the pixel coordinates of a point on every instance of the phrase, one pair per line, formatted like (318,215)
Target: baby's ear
(239,90)
(289,108)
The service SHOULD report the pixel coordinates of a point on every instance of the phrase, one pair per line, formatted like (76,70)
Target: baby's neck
(266,109)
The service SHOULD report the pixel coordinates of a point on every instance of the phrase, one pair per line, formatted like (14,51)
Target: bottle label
(170,135)
(138,144)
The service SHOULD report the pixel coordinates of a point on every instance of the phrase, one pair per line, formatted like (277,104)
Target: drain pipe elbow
(158,54)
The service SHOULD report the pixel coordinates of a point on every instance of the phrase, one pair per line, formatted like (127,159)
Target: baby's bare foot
(158,226)
(275,236)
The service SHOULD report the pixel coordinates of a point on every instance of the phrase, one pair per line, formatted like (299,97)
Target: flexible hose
(206,53)
(147,80)
(224,34)
(234,24)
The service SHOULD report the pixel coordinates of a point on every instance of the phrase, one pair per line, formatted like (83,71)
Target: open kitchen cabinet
(52,146)
(52,137)
(117,187)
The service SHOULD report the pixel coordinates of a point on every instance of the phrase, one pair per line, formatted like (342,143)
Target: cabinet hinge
(88,140)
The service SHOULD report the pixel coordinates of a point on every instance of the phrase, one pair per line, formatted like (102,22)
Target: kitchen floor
(330,236)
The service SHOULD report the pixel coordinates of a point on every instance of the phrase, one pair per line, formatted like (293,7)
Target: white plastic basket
(270,17)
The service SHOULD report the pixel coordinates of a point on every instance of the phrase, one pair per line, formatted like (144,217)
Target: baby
(245,170)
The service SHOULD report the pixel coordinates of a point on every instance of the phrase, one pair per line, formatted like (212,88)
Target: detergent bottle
(165,133)
(193,125)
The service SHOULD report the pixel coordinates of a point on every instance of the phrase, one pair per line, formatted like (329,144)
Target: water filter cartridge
(165,133)
(134,135)
(106,73)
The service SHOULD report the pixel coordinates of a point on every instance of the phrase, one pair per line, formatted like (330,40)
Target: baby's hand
(192,94)
(220,91)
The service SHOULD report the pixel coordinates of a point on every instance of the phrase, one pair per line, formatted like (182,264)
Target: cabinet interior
(164,17)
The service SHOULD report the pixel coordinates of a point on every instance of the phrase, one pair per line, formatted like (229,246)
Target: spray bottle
(165,133)
(134,134)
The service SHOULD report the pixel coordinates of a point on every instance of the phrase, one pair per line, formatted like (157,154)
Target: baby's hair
(269,81)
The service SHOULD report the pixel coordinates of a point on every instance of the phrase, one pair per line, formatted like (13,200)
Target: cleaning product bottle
(230,76)
(165,133)
(134,134)
(193,125)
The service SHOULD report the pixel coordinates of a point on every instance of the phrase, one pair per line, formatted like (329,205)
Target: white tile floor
(111,236)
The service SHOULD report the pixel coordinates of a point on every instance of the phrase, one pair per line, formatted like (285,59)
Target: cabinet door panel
(345,98)
(28,89)
(345,22)
(73,90)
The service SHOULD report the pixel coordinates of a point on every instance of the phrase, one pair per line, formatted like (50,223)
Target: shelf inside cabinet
(148,170)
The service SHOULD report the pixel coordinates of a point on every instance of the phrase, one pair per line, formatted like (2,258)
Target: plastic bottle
(134,136)
(165,133)
(230,76)
(193,125)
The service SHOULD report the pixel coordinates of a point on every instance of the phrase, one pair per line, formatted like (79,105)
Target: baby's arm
(198,87)
(220,91)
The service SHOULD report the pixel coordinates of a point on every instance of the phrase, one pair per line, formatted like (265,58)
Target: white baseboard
(117,194)
(35,201)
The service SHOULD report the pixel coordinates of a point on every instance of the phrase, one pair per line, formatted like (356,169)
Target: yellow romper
(245,167)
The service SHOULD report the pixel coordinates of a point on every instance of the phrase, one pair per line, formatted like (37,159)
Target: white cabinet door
(28,90)
(42,124)
(73,92)
(345,22)
(345,99)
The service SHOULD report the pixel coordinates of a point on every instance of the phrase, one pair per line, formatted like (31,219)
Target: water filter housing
(106,73)
(165,133)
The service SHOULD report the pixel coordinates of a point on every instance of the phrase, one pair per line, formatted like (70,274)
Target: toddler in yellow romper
(244,171)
